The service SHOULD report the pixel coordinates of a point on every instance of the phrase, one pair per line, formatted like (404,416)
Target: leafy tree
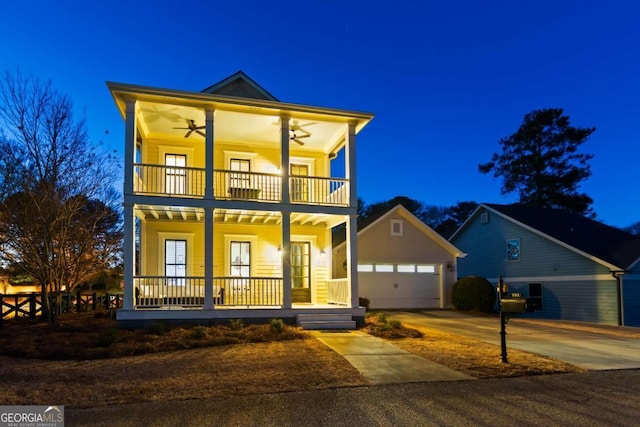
(58,218)
(413,206)
(633,228)
(542,164)
(454,217)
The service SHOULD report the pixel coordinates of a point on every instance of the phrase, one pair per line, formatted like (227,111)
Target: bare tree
(58,217)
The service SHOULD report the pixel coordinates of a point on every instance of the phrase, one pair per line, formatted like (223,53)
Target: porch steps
(325,321)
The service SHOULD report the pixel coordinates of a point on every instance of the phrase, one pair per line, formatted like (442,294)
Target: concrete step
(326,321)
(319,325)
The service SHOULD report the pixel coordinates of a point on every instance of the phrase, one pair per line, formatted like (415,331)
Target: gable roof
(369,223)
(612,246)
(241,86)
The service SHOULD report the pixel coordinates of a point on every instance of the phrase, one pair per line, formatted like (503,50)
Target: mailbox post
(502,293)
(509,305)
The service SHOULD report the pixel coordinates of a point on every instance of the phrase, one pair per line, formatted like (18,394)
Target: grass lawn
(87,362)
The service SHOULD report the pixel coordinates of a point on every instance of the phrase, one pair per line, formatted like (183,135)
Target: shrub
(276,325)
(381,317)
(473,293)
(158,328)
(236,324)
(364,302)
(108,336)
(198,332)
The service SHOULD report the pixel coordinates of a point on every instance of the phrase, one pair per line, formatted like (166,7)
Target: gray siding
(486,247)
(631,296)
(586,301)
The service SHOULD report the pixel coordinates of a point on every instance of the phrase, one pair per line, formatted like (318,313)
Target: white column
(286,260)
(209,153)
(350,160)
(129,256)
(208,258)
(129,145)
(352,258)
(284,158)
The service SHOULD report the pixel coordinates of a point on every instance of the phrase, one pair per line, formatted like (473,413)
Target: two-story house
(229,200)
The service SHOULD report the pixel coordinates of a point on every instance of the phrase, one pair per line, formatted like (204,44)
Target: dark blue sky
(446,79)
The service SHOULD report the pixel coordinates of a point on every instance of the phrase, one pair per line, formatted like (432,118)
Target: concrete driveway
(586,345)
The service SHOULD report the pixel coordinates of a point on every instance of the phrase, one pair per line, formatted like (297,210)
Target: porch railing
(163,292)
(169,180)
(319,190)
(158,291)
(249,291)
(338,291)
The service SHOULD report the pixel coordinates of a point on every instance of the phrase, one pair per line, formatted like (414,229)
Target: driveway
(586,345)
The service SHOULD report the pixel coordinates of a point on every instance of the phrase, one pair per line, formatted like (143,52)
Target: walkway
(383,363)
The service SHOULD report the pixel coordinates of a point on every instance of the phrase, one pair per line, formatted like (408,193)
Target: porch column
(130,134)
(286,260)
(208,258)
(350,153)
(208,163)
(352,258)
(284,158)
(129,256)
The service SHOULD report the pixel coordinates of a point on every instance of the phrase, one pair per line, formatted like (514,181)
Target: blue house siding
(486,246)
(579,300)
(631,296)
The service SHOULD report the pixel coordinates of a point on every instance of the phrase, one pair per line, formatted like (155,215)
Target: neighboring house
(402,262)
(573,267)
(229,202)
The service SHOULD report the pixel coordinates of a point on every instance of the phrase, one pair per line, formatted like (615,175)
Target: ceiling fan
(192,127)
(302,132)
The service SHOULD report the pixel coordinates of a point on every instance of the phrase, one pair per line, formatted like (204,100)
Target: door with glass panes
(299,183)
(300,272)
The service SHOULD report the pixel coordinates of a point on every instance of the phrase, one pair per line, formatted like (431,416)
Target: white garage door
(398,287)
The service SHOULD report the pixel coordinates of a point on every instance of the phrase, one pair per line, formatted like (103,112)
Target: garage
(404,286)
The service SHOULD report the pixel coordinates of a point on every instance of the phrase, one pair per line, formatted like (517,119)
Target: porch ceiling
(235,216)
(162,120)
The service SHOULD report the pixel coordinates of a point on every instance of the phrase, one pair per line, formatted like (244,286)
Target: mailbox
(516,305)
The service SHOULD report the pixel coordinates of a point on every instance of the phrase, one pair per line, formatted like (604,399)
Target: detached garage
(402,262)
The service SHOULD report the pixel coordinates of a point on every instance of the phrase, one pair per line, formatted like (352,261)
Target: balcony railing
(169,180)
(319,191)
(235,185)
(167,292)
(176,181)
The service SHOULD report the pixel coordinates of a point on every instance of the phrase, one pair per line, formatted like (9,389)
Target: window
(176,176)
(408,268)
(396,227)
(426,269)
(384,268)
(484,218)
(240,259)
(239,177)
(513,250)
(365,268)
(175,261)
(535,294)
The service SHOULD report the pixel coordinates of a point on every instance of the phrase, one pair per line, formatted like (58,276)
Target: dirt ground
(299,363)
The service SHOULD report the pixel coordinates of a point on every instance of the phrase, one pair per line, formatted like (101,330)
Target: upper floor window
(397,228)
(176,176)
(239,178)
(513,250)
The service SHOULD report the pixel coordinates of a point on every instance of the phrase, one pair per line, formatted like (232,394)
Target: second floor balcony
(190,182)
